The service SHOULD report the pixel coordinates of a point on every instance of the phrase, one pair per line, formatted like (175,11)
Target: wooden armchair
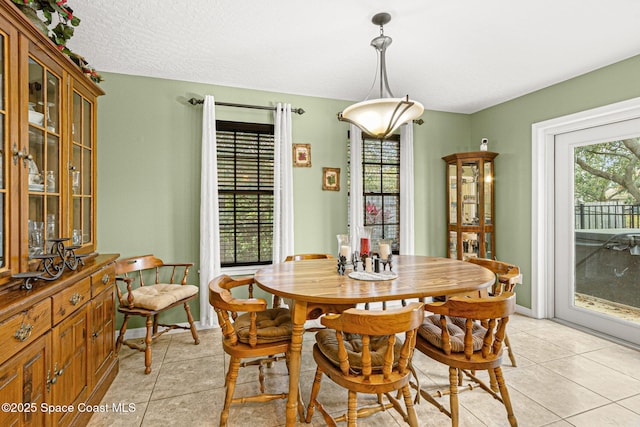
(149,300)
(260,334)
(507,277)
(360,352)
(452,337)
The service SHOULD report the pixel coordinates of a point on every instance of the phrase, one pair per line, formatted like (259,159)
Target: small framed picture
(331,179)
(302,155)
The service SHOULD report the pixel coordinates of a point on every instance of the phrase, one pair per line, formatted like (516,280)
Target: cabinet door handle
(24,332)
(105,279)
(75,298)
(95,335)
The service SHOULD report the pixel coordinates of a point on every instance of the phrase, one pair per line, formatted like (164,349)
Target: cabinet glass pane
(86,172)
(36,93)
(86,220)
(488,196)
(487,245)
(77,221)
(453,245)
(470,245)
(2,74)
(45,158)
(470,198)
(3,149)
(82,170)
(77,118)
(453,194)
(2,238)
(36,224)
(87,123)
(37,161)
(52,112)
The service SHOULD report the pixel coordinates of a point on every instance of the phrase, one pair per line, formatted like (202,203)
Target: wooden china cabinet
(470,205)
(57,335)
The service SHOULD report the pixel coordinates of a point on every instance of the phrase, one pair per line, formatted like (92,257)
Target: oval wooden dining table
(316,288)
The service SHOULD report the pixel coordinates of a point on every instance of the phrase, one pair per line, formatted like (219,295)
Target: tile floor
(564,377)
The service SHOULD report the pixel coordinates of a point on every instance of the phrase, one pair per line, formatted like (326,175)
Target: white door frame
(542,192)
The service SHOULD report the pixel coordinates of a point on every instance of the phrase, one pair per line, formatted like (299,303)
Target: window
(381,188)
(245,192)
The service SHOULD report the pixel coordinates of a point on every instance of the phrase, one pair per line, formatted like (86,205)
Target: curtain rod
(194,101)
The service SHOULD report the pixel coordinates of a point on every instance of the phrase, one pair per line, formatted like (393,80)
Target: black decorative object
(342,264)
(355,259)
(53,264)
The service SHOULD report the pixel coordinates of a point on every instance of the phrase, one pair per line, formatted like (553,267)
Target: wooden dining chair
(150,300)
(261,334)
(507,277)
(359,351)
(454,336)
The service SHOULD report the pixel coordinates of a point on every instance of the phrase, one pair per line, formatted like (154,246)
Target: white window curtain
(282,184)
(356,204)
(407,235)
(209,222)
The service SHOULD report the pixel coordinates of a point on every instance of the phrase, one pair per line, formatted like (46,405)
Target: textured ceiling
(459,56)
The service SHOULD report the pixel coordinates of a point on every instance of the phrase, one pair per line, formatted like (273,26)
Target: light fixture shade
(381,117)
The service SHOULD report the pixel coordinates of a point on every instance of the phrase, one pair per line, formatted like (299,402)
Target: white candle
(384,250)
(345,251)
(367,265)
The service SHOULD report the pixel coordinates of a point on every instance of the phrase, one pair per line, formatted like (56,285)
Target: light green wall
(149,168)
(149,162)
(508,127)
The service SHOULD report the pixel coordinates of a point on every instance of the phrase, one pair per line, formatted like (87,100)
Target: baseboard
(524,311)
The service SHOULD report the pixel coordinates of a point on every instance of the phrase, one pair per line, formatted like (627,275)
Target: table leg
(299,316)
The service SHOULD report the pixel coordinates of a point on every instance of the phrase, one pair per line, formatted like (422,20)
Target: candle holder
(364,236)
(386,262)
(355,260)
(53,263)
(342,264)
(344,245)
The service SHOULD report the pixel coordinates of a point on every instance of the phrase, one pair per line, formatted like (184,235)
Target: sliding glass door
(597,229)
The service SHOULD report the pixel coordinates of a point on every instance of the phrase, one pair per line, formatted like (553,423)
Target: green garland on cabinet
(61,32)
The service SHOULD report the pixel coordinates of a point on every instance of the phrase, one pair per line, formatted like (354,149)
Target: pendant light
(380,117)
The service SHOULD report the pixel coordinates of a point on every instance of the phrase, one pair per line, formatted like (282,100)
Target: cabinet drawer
(23,328)
(71,299)
(102,279)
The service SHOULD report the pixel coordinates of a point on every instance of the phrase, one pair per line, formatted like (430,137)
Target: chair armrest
(128,281)
(227,301)
(248,305)
(437,308)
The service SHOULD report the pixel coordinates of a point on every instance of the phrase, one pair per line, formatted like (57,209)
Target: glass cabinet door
(470,194)
(4,214)
(452,174)
(488,193)
(470,223)
(81,171)
(44,157)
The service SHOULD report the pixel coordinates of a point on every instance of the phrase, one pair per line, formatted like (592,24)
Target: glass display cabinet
(470,205)
(57,314)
